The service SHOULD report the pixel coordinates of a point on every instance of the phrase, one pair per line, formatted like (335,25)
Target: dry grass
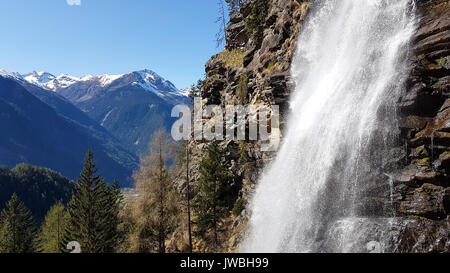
(233,58)
(273,68)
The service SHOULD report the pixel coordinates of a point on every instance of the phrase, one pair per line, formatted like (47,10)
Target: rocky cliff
(421,184)
(255,68)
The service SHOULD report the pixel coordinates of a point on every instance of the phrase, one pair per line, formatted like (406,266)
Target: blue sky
(174,38)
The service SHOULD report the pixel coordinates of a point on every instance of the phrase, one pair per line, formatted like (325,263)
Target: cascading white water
(348,71)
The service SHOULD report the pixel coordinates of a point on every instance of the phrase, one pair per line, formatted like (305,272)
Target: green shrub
(239,206)
(255,21)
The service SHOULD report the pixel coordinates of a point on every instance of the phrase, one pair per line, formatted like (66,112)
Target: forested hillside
(39,188)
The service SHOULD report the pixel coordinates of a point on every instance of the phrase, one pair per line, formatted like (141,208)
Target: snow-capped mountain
(39,78)
(11,75)
(50,82)
(145,79)
(43,128)
(130,106)
(185,91)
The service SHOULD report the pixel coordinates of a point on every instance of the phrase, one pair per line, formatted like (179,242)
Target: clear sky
(174,38)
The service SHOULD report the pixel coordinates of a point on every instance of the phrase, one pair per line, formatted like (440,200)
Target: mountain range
(51,121)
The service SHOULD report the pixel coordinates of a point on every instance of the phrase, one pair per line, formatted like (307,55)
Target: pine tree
(17,228)
(157,209)
(110,216)
(210,204)
(52,230)
(93,211)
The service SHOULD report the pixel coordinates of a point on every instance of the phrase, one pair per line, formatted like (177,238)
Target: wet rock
(420,152)
(420,101)
(443,86)
(439,123)
(407,177)
(427,201)
(414,122)
(433,42)
(444,159)
(420,235)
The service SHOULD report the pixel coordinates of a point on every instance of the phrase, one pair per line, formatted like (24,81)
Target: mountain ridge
(48,81)
(37,131)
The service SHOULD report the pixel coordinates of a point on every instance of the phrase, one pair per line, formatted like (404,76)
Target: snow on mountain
(39,78)
(185,91)
(150,80)
(12,75)
(50,82)
(131,106)
(146,79)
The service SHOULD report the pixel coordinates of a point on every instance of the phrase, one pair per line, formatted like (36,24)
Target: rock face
(422,185)
(418,200)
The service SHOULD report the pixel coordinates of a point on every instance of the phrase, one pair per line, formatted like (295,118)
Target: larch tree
(51,235)
(157,209)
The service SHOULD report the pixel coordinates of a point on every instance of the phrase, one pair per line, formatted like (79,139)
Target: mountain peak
(38,78)
(145,78)
(8,74)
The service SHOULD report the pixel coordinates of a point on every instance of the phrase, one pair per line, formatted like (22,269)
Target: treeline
(171,207)
(90,218)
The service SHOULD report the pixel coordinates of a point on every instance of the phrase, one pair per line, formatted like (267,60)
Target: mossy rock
(425,161)
(239,206)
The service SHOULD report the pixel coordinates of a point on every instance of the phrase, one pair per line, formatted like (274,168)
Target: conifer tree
(210,204)
(157,209)
(111,209)
(17,228)
(50,238)
(93,211)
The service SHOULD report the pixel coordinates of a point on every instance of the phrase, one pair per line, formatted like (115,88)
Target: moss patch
(444,154)
(239,206)
(425,160)
(274,67)
(420,218)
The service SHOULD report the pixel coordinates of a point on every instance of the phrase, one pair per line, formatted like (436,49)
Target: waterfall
(349,70)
